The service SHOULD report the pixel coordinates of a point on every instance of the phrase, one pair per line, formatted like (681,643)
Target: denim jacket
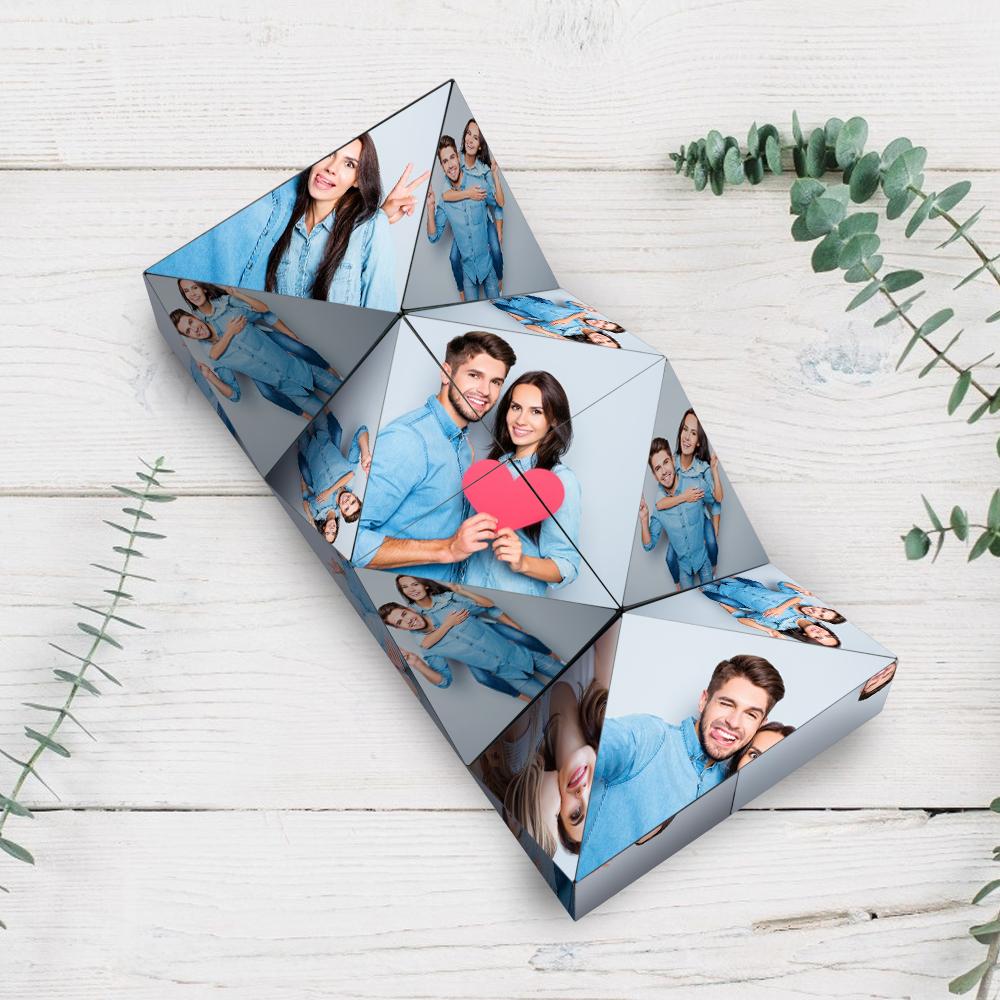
(253,353)
(751,598)
(226,308)
(476,644)
(235,252)
(482,175)
(646,771)
(555,541)
(468,221)
(415,485)
(685,528)
(699,475)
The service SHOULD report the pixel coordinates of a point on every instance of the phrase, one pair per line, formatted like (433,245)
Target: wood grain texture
(266,812)
(419,904)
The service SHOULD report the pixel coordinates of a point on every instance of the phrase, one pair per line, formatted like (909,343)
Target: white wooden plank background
(267,811)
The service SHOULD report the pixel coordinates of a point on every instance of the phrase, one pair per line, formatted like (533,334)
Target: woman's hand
(692,494)
(772,612)
(507,548)
(235,326)
(476,193)
(454,618)
(401,200)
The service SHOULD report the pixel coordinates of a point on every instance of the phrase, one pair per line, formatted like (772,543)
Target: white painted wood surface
(266,811)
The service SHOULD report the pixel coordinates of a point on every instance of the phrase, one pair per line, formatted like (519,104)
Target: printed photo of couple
(556,314)
(324,472)
(530,405)
(765,601)
(479,656)
(691,527)
(689,708)
(341,231)
(267,364)
(474,241)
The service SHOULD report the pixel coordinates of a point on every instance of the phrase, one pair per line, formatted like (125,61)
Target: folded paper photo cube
(517,497)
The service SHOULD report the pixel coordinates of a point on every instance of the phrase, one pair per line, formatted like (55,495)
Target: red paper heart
(491,489)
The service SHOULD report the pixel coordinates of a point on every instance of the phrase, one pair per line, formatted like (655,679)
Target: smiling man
(414,505)
(647,769)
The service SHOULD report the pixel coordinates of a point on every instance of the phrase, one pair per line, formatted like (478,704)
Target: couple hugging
(416,516)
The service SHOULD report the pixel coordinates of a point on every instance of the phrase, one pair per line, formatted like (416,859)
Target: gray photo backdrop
(408,137)
(471,713)
(340,333)
(620,393)
(431,281)
(357,403)
(485,313)
(694,608)
(739,547)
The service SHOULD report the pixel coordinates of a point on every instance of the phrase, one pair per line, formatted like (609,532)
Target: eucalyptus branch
(917,541)
(9,804)
(988,934)
(848,241)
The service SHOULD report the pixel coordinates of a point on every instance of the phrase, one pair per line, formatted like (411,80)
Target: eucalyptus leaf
(796,129)
(753,167)
(950,197)
(850,141)
(800,231)
(900,310)
(832,129)
(993,517)
(993,317)
(937,320)
(895,148)
(960,525)
(978,412)
(99,634)
(15,808)
(803,192)
(816,153)
(859,222)
(827,253)
(135,512)
(857,248)
(963,229)
(772,154)
(715,149)
(46,741)
(917,543)
(935,520)
(126,551)
(799,161)
(958,392)
(982,544)
(896,281)
(65,675)
(732,166)
(921,215)
(753,140)
(700,176)
(965,982)
(16,851)
(899,203)
(716,180)
(824,214)
(865,177)
(864,295)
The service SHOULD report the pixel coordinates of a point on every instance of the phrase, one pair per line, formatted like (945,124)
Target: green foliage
(849,242)
(45,740)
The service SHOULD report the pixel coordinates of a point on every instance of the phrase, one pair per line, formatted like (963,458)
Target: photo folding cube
(516,496)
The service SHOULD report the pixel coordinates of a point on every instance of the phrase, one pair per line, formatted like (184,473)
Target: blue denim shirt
(540,311)
(750,599)
(482,175)
(366,276)
(200,349)
(326,464)
(468,220)
(647,770)
(700,476)
(253,353)
(685,528)
(415,485)
(476,644)
(235,252)
(226,308)
(555,541)
(443,604)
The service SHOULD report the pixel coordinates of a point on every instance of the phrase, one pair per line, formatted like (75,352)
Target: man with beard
(469,222)
(414,504)
(647,769)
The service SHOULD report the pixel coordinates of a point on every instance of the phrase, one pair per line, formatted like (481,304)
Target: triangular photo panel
(517,498)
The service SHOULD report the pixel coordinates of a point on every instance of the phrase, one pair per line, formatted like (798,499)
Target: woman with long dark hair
(477,162)
(335,245)
(533,430)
